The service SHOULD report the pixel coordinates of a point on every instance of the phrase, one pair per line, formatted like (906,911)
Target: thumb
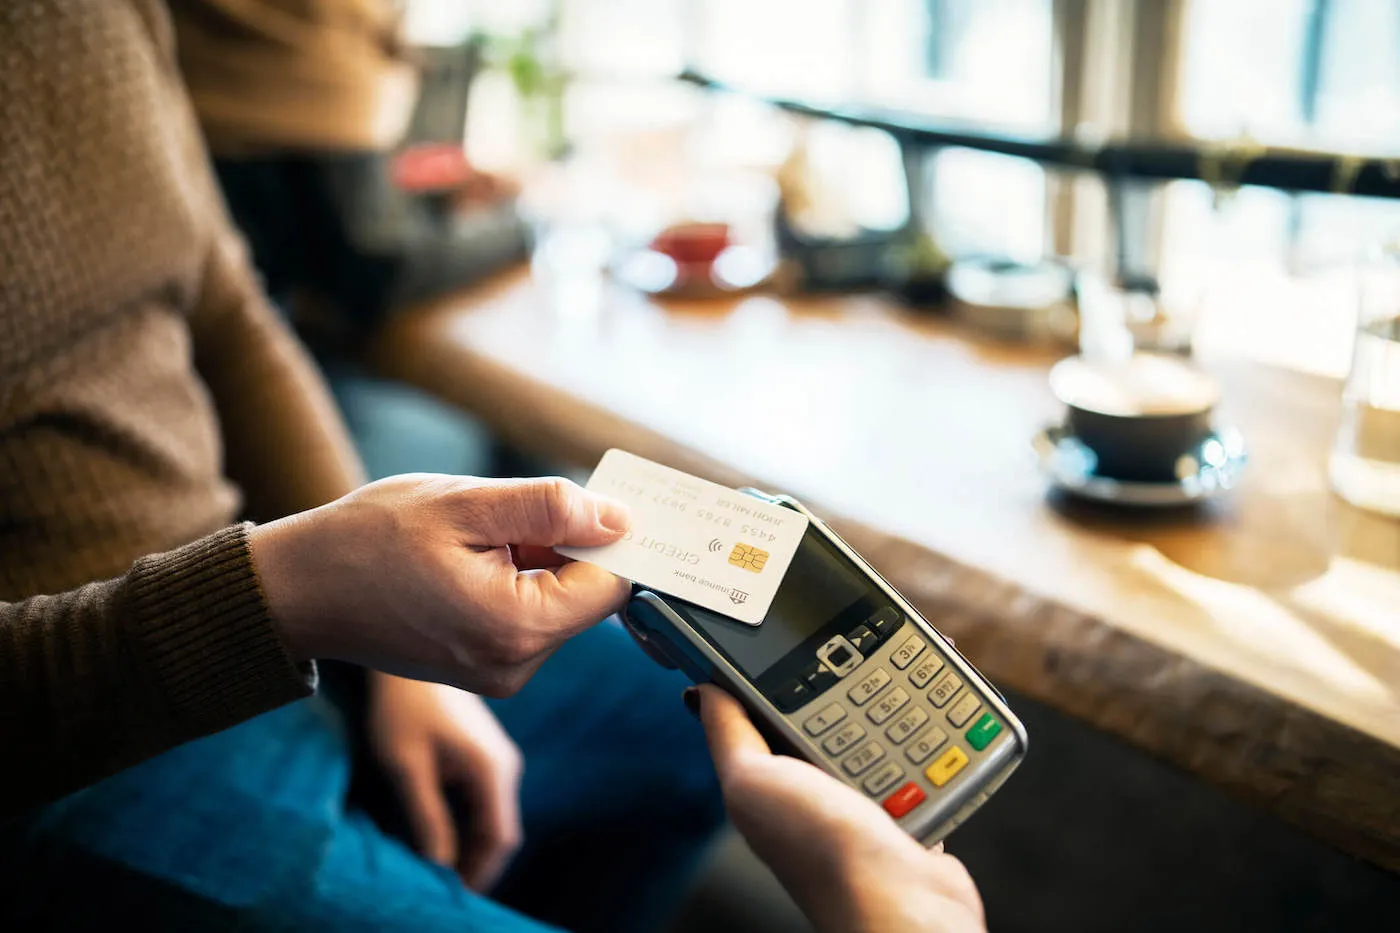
(569,599)
(545,512)
(425,805)
(730,734)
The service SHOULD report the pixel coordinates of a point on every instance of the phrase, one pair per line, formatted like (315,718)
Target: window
(989,61)
(1322,73)
(1273,272)
(986,60)
(1279,270)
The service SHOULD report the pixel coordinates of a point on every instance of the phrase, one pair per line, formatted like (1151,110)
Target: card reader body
(844,673)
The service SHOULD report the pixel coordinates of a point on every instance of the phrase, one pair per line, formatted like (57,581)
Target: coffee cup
(1139,416)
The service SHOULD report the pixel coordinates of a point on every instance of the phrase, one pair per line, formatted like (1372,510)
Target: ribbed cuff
(206,639)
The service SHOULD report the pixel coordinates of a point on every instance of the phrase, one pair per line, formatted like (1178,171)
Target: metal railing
(1118,160)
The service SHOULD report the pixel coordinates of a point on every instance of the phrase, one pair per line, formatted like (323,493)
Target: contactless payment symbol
(749,557)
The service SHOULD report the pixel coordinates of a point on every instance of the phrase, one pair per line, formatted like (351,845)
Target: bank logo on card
(748,557)
(694,539)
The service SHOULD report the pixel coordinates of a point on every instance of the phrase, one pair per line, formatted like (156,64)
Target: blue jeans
(250,829)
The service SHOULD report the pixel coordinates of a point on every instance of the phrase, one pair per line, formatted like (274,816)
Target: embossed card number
(694,539)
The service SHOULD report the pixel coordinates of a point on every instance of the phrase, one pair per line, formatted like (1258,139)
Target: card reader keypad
(920,710)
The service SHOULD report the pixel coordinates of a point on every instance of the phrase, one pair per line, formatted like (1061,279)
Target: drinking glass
(1365,462)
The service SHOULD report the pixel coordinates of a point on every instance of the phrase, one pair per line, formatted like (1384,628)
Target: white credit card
(694,539)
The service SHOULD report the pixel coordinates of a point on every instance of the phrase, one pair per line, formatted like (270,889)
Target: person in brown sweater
(155,770)
(147,392)
(148,397)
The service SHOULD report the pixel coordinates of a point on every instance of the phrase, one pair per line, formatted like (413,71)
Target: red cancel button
(905,799)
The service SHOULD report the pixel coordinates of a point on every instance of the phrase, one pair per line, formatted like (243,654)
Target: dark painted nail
(691,698)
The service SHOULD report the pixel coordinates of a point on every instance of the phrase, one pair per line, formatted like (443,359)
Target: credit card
(694,539)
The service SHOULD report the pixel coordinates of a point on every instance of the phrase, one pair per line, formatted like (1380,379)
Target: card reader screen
(819,586)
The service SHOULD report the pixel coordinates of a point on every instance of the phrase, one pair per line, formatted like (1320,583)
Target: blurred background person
(304,106)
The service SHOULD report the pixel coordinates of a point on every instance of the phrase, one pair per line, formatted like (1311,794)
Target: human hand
(434,740)
(441,578)
(848,865)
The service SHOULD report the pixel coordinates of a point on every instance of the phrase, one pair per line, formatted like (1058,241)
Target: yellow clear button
(947,765)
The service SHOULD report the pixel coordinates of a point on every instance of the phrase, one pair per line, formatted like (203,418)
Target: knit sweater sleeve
(284,441)
(104,676)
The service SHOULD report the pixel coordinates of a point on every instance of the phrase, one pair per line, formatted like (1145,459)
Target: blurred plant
(520,56)
(916,269)
(531,59)
(922,255)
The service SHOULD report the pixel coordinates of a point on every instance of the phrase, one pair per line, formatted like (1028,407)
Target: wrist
(278,551)
(381,684)
(846,907)
(898,897)
(919,899)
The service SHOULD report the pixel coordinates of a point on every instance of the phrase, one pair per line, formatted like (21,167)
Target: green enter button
(981,735)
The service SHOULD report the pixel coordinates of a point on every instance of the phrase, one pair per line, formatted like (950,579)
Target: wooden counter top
(1255,641)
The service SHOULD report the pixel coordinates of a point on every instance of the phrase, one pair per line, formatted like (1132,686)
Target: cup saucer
(1209,469)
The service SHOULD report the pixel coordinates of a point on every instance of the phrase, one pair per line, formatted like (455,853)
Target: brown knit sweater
(143,382)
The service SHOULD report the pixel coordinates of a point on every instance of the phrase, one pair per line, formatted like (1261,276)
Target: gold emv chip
(748,557)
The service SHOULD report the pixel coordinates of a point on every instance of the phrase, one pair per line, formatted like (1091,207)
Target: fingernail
(691,698)
(613,515)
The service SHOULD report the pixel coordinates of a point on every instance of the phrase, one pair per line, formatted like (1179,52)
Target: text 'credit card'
(694,539)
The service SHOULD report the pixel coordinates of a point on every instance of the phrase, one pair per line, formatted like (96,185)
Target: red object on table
(692,243)
(431,167)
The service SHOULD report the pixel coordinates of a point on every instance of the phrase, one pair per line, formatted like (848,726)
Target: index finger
(430,820)
(730,734)
(494,835)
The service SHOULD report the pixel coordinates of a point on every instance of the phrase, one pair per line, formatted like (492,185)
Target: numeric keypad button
(824,719)
(963,710)
(905,654)
(843,738)
(883,778)
(906,725)
(943,690)
(860,760)
(888,705)
(925,745)
(925,670)
(863,691)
